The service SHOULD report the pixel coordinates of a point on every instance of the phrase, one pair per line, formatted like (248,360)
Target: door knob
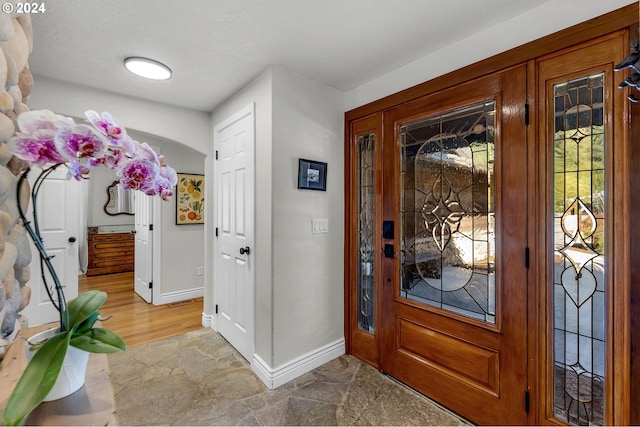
(72,239)
(245,250)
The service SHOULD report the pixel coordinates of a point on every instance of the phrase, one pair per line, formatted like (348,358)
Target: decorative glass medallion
(447,211)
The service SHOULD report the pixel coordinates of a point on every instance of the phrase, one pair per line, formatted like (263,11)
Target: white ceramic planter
(74,366)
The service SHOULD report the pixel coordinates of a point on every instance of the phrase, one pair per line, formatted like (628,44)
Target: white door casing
(234,141)
(143,265)
(58,217)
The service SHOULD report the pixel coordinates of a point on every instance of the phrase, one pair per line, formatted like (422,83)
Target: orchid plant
(47,138)
(46,141)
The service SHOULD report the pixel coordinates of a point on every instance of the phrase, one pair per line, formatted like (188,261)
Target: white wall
(308,122)
(548,18)
(189,127)
(182,245)
(182,135)
(299,276)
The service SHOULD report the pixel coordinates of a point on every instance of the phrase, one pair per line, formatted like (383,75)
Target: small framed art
(312,175)
(190,199)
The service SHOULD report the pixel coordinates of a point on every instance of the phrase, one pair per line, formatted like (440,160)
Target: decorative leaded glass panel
(447,211)
(366,188)
(579,253)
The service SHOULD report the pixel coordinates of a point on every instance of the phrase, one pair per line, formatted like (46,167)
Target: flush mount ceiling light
(148,68)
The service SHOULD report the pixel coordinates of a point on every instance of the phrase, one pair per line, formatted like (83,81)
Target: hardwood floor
(136,321)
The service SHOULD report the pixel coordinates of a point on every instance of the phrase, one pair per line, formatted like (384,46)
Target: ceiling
(215,47)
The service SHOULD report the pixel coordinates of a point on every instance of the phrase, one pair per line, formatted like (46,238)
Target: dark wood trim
(533,221)
(620,305)
(390,212)
(593,28)
(633,126)
(634,256)
(348,218)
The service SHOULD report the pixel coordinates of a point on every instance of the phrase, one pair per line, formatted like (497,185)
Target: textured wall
(16,42)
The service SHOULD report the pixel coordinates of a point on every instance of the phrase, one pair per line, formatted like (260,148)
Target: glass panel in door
(366,221)
(448,211)
(579,286)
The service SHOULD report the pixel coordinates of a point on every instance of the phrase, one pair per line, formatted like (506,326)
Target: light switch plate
(319,225)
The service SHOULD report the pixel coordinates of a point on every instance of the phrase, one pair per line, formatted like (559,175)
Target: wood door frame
(618,195)
(360,343)
(628,313)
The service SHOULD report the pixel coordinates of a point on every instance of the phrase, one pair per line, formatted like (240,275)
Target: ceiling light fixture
(148,68)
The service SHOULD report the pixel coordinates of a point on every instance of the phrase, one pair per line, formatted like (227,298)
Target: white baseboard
(209,321)
(275,377)
(171,297)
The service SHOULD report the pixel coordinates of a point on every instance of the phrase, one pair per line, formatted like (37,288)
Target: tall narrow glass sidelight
(366,220)
(579,288)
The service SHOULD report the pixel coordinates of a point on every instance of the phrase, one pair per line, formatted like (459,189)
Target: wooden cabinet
(110,252)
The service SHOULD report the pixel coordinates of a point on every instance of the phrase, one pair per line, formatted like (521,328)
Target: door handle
(245,250)
(72,239)
(388,251)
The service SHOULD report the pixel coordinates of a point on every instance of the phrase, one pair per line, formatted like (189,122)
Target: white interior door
(58,216)
(234,285)
(143,265)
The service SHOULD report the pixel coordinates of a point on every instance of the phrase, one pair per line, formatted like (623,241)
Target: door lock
(388,250)
(245,250)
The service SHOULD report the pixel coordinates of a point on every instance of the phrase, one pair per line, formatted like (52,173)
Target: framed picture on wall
(312,175)
(190,199)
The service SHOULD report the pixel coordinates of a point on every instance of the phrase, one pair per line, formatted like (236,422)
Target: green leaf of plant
(83,306)
(88,323)
(37,380)
(98,340)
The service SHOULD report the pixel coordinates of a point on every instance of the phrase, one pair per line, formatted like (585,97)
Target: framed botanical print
(190,199)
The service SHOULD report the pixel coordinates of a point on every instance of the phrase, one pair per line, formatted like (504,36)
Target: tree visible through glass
(579,254)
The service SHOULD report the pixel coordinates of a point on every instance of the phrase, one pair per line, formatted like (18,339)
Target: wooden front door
(453,254)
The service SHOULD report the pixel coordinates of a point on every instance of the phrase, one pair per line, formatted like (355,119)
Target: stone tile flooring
(199,379)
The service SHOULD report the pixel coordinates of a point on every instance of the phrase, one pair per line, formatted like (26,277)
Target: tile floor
(199,379)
